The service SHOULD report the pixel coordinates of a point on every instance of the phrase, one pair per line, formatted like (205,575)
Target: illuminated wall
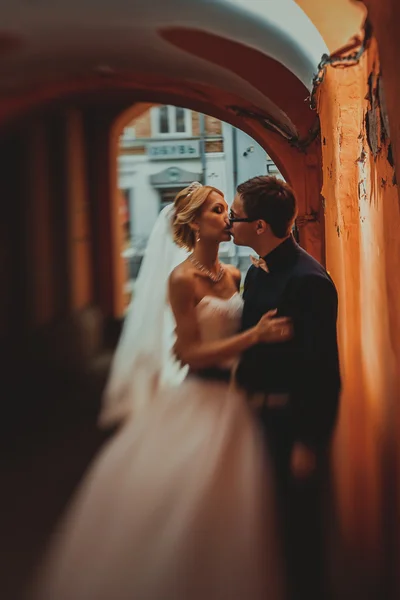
(362,225)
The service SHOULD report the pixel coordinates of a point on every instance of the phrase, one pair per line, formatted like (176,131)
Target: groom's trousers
(300,505)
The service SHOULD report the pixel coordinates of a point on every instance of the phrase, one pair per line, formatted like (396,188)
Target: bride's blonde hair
(188,203)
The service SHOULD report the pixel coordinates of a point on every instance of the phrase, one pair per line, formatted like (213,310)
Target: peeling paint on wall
(384,114)
(372,116)
(376,117)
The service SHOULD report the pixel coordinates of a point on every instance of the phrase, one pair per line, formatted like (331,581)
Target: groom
(295,385)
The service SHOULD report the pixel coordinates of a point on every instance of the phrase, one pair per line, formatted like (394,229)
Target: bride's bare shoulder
(182,279)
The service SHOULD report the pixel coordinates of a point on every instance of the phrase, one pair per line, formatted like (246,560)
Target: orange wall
(363,255)
(385,19)
(337,21)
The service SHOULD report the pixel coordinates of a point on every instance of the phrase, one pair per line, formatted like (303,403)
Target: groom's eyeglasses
(234,219)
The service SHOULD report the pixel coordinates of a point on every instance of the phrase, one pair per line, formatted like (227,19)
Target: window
(163,125)
(171,121)
(180,124)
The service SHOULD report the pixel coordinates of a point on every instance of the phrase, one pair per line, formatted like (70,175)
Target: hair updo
(188,203)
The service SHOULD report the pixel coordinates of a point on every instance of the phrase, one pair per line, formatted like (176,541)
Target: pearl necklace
(210,274)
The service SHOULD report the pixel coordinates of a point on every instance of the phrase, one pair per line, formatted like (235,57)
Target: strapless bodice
(219,318)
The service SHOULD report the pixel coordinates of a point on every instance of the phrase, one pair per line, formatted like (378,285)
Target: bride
(179,505)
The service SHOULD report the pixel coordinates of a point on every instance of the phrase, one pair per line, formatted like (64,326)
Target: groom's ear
(261,227)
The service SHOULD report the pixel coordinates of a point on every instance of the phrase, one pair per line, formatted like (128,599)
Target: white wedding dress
(179,505)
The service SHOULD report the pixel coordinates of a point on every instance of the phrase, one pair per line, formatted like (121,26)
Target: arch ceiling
(260,56)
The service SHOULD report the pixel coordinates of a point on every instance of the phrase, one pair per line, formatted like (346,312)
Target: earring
(198,236)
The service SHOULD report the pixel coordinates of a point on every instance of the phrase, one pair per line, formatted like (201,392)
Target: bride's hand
(274,329)
(177,353)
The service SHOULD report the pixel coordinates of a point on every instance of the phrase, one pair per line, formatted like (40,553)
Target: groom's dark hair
(271,200)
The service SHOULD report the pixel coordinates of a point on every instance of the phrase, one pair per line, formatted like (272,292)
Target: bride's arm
(200,355)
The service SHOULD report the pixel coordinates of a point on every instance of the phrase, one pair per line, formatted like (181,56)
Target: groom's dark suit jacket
(306,367)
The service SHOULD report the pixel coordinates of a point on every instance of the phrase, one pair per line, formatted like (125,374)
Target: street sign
(173,150)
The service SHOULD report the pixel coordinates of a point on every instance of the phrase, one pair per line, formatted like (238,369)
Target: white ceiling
(58,39)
